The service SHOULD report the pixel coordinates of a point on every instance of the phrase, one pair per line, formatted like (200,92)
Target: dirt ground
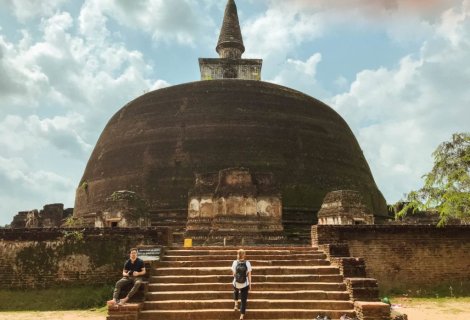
(415,309)
(52,315)
(448,309)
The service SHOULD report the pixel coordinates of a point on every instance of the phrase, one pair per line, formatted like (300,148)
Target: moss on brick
(39,258)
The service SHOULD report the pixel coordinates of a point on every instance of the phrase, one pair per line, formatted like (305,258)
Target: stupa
(158,144)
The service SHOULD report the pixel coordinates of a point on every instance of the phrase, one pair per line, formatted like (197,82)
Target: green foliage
(447,187)
(72,222)
(71,298)
(73,235)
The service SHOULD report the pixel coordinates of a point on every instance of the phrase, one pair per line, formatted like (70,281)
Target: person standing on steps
(133,271)
(241,270)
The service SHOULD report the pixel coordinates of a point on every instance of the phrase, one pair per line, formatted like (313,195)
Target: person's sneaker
(235,307)
(123,301)
(117,301)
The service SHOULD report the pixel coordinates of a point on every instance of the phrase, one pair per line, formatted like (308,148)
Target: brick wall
(419,258)
(32,258)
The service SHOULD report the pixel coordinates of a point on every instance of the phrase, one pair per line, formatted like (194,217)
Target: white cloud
(58,89)
(302,73)
(166,21)
(400,115)
(280,29)
(27,9)
(30,188)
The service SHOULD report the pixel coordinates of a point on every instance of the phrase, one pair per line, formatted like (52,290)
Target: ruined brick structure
(156,144)
(38,258)
(418,258)
(242,161)
(235,203)
(52,215)
(344,207)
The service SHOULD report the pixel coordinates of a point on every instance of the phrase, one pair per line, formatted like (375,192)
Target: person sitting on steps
(241,271)
(133,271)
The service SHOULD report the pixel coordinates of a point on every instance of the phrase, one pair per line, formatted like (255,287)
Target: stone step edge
(248,311)
(252,250)
(251,292)
(231,260)
(256,255)
(248,247)
(251,300)
(257,268)
(218,283)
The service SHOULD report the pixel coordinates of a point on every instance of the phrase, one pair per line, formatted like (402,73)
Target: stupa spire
(230,64)
(230,44)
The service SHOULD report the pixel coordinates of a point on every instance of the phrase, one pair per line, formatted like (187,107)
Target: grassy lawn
(53,299)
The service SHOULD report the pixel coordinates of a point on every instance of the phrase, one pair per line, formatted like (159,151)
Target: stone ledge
(366,310)
(362,289)
(350,267)
(335,250)
(128,311)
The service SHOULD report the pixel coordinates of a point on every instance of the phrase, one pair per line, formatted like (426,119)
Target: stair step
(264,270)
(253,304)
(223,314)
(254,263)
(289,282)
(277,286)
(207,295)
(227,278)
(229,252)
(246,248)
(215,257)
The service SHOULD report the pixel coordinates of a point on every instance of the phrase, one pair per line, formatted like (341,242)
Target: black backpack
(240,272)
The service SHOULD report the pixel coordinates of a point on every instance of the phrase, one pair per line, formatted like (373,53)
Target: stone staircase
(288,283)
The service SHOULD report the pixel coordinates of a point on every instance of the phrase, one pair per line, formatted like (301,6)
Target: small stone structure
(235,203)
(126,209)
(344,207)
(51,216)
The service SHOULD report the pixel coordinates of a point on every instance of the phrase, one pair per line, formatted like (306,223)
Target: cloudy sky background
(398,71)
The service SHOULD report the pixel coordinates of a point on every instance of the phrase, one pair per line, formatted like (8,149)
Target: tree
(447,187)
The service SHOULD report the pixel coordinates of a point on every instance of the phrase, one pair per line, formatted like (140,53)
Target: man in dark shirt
(134,268)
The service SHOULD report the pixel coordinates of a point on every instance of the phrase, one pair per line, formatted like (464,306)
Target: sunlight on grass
(73,298)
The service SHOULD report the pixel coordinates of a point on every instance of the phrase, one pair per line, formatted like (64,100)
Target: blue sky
(397,71)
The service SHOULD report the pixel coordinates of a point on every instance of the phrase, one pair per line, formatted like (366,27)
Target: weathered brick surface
(128,311)
(406,257)
(372,310)
(362,289)
(335,250)
(350,267)
(42,258)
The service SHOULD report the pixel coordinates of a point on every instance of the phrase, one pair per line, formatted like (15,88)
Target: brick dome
(156,144)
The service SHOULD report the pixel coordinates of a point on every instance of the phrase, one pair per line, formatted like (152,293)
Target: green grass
(437,301)
(454,290)
(72,298)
